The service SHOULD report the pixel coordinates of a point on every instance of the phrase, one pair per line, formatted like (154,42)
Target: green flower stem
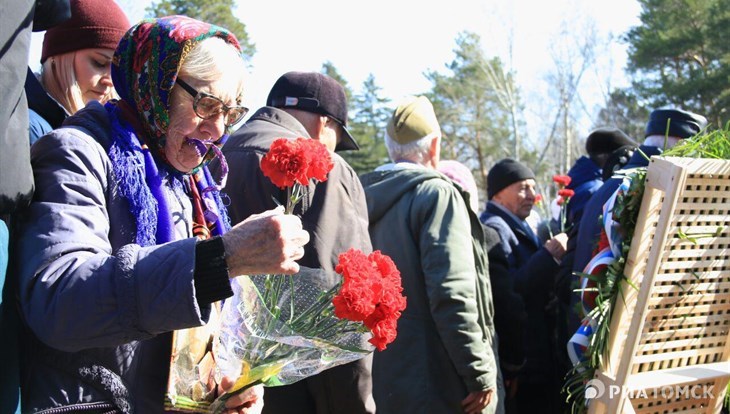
(293,196)
(317,307)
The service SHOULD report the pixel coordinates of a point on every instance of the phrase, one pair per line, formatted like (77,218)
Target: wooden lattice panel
(694,397)
(689,306)
(679,318)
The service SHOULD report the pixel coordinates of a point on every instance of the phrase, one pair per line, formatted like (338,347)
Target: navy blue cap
(675,123)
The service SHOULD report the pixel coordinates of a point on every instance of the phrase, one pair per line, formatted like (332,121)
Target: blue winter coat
(590,227)
(44,113)
(99,308)
(586,179)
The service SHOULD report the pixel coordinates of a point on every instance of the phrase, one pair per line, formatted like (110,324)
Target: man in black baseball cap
(309,105)
(317,93)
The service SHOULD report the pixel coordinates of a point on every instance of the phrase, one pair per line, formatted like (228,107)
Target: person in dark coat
(510,316)
(666,127)
(532,268)
(309,105)
(602,145)
(586,173)
(17,20)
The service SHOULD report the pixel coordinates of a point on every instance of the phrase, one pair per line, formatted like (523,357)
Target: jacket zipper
(102,407)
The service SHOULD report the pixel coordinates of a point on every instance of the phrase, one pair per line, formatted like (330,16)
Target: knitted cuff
(211,272)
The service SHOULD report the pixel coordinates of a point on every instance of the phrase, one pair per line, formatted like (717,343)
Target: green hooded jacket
(443,351)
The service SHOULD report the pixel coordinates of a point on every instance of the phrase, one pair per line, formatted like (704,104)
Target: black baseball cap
(314,92)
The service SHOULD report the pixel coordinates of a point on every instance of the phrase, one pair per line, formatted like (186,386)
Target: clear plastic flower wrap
(279,329)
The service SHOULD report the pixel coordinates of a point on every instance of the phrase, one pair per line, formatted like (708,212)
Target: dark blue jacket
(98,308)
(45,114)
(590,227)
(533,270)
(585,180)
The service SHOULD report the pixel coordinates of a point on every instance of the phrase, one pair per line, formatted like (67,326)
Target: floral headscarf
(146,64)
(144,69)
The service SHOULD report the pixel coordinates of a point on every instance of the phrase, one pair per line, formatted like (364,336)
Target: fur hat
(607,140)
(93,24)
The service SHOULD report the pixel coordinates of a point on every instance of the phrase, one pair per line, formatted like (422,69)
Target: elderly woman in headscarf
(127,238)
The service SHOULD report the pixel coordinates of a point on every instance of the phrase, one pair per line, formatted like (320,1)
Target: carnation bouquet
(278,329)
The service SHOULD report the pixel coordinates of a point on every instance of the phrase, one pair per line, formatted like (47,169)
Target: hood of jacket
(94,118)
(40,101)
(582,171)
(383,188)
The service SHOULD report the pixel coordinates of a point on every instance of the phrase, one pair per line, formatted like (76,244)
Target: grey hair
(416,151)
(213,57)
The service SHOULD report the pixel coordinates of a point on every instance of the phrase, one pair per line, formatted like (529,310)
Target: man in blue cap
(666,127)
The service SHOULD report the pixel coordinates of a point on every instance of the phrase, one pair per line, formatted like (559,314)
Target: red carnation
(566,193)
(561,180)
(371,293)
(296,161)
(384,330)
(320,160)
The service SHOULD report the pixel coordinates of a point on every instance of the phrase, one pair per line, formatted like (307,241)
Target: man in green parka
(442,360)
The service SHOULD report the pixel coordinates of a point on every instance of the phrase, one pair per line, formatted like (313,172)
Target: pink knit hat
(93,24)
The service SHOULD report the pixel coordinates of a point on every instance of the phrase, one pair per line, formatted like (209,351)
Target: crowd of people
(132,194)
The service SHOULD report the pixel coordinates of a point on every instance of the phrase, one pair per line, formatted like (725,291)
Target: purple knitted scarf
(140,181)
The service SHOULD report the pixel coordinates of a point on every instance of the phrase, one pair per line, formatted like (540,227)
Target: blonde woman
(76,62)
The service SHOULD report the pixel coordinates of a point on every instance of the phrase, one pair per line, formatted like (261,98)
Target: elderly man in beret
(443,359)
(532,266)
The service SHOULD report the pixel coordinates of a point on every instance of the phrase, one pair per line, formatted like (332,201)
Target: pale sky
(398,40)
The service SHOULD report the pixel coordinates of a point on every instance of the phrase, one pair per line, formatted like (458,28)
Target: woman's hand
(250,401)
(269,242)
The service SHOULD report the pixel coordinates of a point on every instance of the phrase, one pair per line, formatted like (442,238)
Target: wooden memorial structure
(669,345)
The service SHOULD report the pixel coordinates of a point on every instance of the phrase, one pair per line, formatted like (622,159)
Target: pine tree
(218,12)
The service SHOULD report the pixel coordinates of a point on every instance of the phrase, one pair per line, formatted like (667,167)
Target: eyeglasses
(207,106)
